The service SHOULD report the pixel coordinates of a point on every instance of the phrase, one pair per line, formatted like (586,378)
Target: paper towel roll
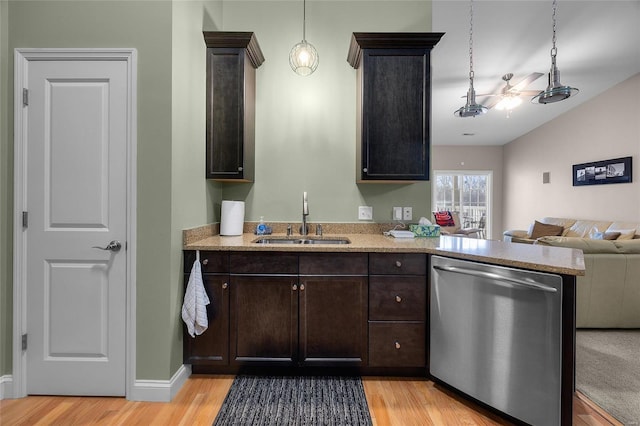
(232,218)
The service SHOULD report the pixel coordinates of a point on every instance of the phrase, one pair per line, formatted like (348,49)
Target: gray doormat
(294,400)
(608,371)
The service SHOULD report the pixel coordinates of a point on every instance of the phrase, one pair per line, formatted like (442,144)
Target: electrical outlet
(365,213)
(397,213)
(407,213)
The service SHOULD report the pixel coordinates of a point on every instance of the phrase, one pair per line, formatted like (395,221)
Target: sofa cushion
(628,246)
(625,226)
(587,245)
(610,235)
(542,229)
(626,234)
(583,228)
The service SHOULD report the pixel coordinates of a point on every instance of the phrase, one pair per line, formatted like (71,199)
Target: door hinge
(25,219)
(25,97)
(24,342)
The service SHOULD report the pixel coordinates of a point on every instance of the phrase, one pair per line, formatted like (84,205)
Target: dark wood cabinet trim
(361,41)
(244,40)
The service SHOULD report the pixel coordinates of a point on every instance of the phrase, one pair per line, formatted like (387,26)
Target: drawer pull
(398,264)
(301,287)
(225,286)
(397,345)
(205,262)
(398,299)
(295,287)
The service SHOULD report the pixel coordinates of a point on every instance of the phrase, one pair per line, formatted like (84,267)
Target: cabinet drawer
(397,344)
(398,263)
(333,263)
(263,263)
(210,261)
(397,298)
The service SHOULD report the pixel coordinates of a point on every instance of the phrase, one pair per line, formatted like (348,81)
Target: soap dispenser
(261,229)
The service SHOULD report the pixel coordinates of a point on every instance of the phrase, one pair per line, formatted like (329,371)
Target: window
(468,193)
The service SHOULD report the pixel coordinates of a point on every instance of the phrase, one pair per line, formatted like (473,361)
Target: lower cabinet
(211,347)
(397,310)
(312,310)
(264,319)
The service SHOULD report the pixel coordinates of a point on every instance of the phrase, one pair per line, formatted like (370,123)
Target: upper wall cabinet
(232,60)
(393,105)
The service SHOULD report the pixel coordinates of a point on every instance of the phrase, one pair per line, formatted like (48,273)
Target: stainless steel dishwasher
(495,334)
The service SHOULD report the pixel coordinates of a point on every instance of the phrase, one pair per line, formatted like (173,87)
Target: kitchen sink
(277,240)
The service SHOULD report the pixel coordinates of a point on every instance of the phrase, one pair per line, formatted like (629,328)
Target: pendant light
(555,91)
(471,109)
(303,58)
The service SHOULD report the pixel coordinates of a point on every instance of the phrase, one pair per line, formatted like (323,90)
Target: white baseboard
(160,390)
(6,386)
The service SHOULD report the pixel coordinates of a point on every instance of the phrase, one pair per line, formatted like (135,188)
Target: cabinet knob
(398,299)
(301,287)
(365,170)
(205,262)
(240,168)
(294,287)
(225,286)
(397,345)
(398,264)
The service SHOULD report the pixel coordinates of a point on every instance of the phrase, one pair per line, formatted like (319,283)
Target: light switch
(397,213)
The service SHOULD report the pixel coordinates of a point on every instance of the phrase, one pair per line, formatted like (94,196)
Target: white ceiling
(598,46)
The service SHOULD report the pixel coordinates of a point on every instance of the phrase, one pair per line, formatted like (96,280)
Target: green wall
(306,126)
(305,130)
(193,197)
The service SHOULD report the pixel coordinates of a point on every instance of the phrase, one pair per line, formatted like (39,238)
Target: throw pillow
(626,234)
(544,230)
(444,218)
(611,235)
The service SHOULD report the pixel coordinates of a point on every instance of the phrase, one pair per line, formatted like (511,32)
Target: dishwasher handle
(498,277)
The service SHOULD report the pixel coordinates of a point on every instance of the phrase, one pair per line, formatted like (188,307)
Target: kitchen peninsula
(363,306)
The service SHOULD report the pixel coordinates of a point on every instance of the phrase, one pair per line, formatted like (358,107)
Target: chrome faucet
(304,228)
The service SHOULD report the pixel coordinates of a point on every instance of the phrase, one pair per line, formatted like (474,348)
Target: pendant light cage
(303,57)
(471,108)
(555,91)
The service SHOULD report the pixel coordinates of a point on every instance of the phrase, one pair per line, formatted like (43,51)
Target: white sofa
(608,295)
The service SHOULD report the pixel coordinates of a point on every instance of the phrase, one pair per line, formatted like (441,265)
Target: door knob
(112,246)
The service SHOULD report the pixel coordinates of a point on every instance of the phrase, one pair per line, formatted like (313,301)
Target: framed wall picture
(617,170)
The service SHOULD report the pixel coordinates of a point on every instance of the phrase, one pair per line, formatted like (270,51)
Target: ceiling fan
(509,96)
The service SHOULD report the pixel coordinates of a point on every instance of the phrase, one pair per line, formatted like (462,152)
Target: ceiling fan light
(508,103)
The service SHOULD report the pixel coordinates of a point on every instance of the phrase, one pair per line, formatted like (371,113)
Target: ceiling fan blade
(490,103)
(526,81)
(528,92)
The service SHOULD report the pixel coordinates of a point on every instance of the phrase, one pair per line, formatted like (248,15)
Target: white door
(76,198)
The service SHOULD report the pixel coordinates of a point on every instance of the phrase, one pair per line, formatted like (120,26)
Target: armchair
(450,225)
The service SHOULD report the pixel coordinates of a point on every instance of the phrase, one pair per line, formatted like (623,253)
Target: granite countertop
(540,258)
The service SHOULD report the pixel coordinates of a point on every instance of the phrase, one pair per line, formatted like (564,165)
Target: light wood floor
(392,401)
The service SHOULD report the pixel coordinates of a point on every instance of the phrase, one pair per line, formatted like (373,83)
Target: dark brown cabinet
(333,309)
(397,310)
(212,346)
(318,317)
(232,58)
(315,309)
(393,105)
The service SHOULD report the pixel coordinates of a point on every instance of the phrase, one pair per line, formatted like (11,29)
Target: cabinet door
(395,115)
(212,346)
(264,319)
(333,320)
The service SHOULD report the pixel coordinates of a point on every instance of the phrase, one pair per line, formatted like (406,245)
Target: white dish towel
(194,307)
